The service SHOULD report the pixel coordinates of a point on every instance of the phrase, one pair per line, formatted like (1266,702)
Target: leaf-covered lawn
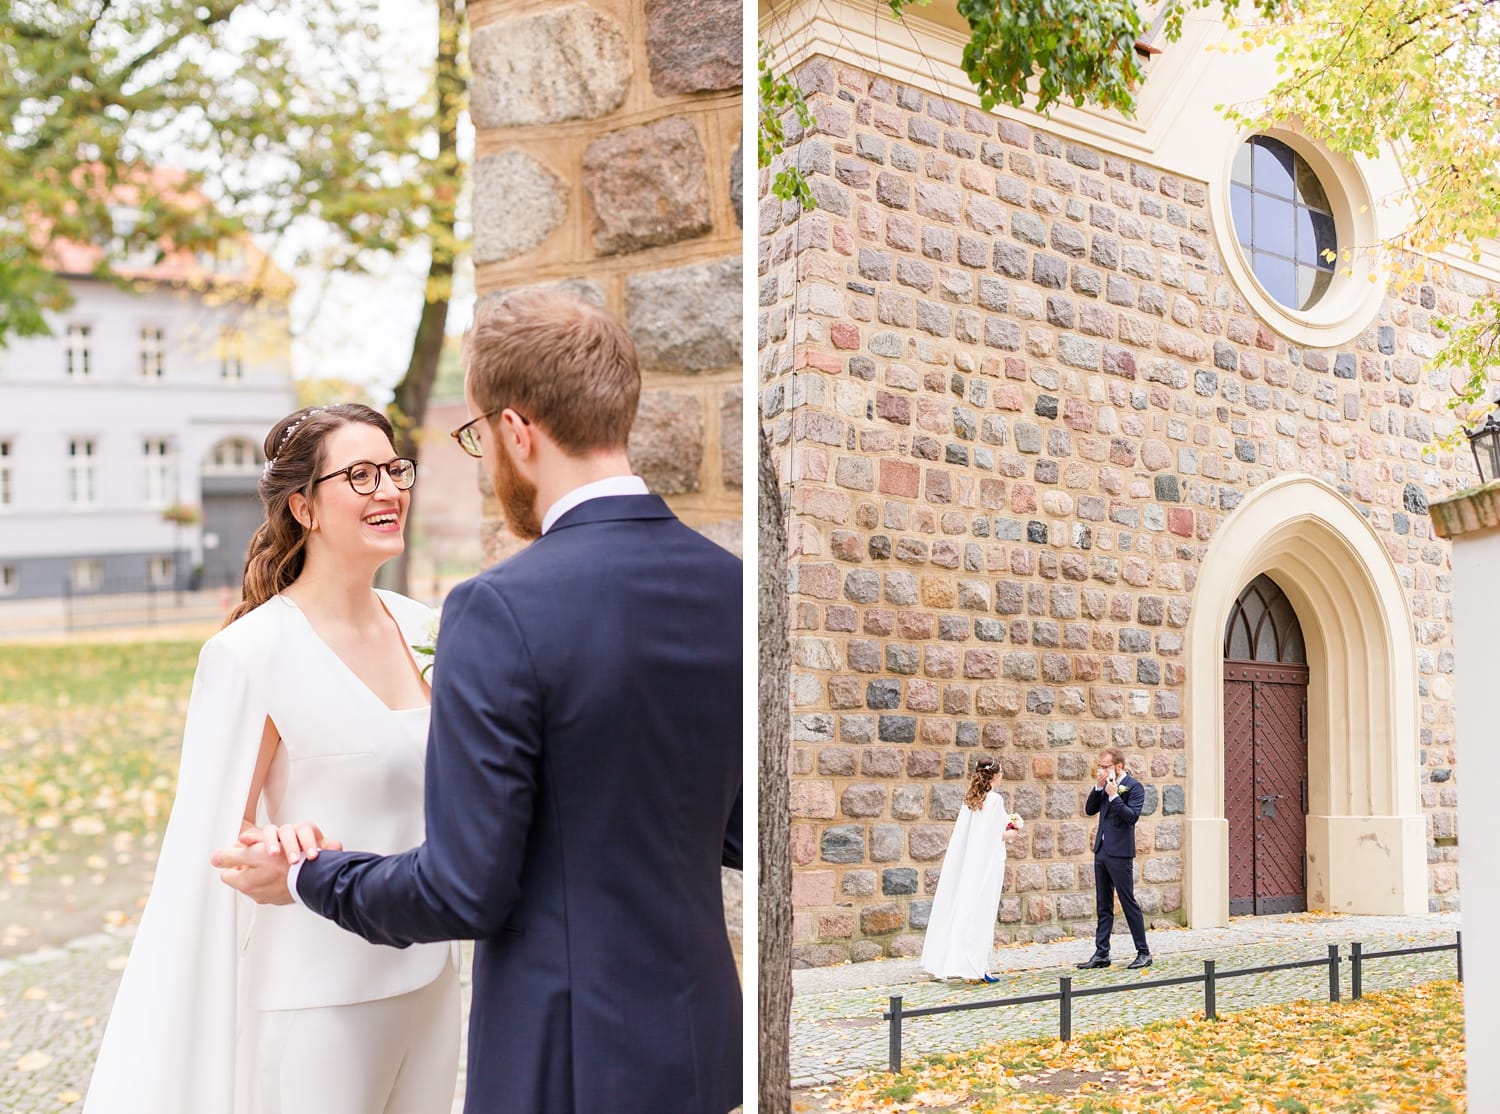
(1393,1051)
(89,743)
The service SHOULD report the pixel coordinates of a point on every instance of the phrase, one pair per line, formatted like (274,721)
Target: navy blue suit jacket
(583,788)
(1116,830)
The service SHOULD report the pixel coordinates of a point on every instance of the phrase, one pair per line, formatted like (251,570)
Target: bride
(961,926)
(308,703)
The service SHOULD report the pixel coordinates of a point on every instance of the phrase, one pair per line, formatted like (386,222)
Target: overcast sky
(360,328)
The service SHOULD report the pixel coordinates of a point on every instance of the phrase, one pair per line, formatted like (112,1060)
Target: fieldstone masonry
(606,135)
(1012,395)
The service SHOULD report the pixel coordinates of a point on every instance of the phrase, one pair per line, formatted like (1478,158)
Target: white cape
(961,927)
(170,1045)
(174,1043)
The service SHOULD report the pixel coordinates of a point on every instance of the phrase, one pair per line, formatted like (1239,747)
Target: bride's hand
(292,840)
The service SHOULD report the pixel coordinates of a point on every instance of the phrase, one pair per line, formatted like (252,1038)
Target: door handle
(1268,804)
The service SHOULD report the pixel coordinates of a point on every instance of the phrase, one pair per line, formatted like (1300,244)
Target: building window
(153,351)
(10,580)
(86,575)
(158,452)
(161,571)
(1283,221)
(232,354)
(82,479)
(234,456)
(78,351)
(7,477)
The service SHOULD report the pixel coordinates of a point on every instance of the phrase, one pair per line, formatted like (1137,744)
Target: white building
(141,400)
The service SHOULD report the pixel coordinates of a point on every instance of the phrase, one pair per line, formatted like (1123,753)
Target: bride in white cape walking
(961,927)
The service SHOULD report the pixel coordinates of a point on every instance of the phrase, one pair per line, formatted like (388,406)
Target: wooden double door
(1265,754)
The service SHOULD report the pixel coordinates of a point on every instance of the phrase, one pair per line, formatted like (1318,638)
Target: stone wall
(1012,396)
(607,160)
(608,137)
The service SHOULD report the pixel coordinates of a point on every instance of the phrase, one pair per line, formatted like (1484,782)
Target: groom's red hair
(558,361)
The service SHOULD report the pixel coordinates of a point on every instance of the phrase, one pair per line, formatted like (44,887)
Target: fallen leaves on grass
(1392,1052)
(90,738)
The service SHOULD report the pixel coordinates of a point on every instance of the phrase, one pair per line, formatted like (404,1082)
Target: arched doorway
(1366,834)
(1265,752)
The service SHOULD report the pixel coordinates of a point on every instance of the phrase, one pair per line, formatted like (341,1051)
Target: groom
(583,765)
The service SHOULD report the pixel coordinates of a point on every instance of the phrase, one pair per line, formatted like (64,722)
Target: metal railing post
(1356,971)
(1333,972)
(895,1032)
(1458,947)
(1065,1009)
(1210,992)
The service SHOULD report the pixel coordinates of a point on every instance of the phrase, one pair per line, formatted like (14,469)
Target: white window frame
(153,351)
(159,461)
(232,355)
(10,580)
(86,574)
(78,358)
(234,456)
(83,476)
(161,572)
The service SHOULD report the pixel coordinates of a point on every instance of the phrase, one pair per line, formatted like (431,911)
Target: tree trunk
(408,409)
(775,896)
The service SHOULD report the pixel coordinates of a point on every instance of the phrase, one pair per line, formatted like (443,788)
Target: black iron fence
(1210,978)
(142,603)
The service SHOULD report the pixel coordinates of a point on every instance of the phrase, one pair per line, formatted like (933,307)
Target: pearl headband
(287,436)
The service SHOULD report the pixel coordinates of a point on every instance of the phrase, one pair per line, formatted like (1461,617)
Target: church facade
(1083,442)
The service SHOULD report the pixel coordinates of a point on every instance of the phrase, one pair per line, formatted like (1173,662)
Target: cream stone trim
(925,50)
(1352,300)
(1366,832)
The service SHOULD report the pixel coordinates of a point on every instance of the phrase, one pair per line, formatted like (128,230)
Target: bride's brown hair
(294,459)
(984,775)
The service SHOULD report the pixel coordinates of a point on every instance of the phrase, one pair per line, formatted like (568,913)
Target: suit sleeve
(734,853)
(1133,801)
(483,757)
(1092,805)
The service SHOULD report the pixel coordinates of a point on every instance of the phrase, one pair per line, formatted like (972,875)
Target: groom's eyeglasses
(364,476)
(467,435)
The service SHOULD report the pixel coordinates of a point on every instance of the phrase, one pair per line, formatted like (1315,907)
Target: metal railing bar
(1411,951)
(992,1003)
(1274,967)
(1116,988)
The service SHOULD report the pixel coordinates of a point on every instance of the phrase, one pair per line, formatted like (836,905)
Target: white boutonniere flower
(428,647)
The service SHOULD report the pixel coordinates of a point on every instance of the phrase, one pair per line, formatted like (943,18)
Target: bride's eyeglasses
(364,476)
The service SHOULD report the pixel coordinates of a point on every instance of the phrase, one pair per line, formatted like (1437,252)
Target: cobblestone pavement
(53,1005)
(837,1030)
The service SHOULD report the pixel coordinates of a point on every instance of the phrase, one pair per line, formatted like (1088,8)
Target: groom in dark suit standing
(1117,799)
(584,760)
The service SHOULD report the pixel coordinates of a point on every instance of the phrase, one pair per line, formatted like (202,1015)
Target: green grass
(89,744)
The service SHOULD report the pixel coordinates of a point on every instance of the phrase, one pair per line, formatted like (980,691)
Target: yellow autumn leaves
(1391,1053)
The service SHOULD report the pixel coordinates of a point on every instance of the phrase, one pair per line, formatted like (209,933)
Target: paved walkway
(837,1030)
(53,1005)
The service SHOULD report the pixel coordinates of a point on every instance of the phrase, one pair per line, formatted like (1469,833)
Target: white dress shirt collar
(599,489)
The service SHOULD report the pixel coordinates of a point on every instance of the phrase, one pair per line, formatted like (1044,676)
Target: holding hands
(257,867)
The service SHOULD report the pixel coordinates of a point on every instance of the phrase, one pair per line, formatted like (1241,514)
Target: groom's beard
(517,498)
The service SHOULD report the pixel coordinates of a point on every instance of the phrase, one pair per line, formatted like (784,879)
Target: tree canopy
(274,110)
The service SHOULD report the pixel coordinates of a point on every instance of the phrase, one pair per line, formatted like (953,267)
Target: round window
(1283,222)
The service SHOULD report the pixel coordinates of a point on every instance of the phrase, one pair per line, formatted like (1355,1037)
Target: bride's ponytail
(294,459)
